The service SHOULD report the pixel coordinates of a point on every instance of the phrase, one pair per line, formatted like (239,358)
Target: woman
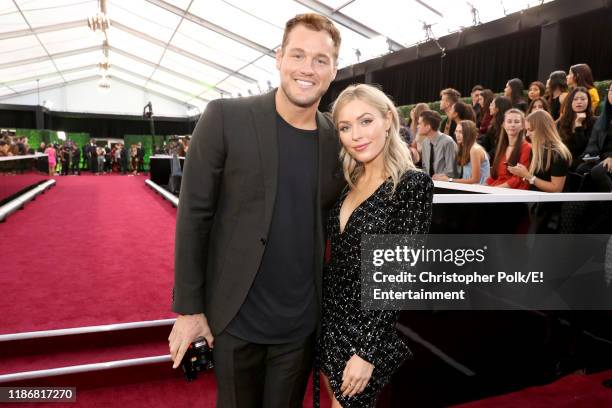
(462,111)
(557,92)
(598,154)
(538,104)
(50,152)
(550,157)
(514,91)
(472,159)
(360,349)
(485,100)
(536,90)
(576,123)
(511,150)
(581,75)
(497,109)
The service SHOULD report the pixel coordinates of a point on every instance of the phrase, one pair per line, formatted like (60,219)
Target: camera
(197,358)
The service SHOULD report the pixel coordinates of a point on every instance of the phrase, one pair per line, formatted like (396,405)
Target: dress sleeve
(411,214)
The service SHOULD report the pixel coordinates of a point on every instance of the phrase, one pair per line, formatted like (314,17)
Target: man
(475,94)
(140,154)
(448,98)
(41,148)
(439,150)
(260,175)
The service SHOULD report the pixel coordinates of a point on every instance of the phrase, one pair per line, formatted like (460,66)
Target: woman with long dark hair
(485,99)
(556,90)
(512,149)
(472,159)
(514,91)
(498,108)
(581,75)
(576,123)
(538,104)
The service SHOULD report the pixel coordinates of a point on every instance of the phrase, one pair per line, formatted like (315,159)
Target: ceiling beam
(152,92)
(144,78)
(48,75)
(167,70)
(44,29)
(50,87)
(88,79)
(182,52)
(347,22)
(46,58)
(213,27)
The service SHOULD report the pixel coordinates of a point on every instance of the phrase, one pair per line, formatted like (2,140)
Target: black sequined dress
(346,328)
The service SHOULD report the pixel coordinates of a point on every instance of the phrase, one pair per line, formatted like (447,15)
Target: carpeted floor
(93,250)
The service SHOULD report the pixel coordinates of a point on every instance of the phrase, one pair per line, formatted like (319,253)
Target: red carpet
(93,250)
(573,391)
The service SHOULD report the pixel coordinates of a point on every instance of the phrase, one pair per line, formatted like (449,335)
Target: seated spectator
(486,97)
(41,148)
(598,160)
(497,109)
(512,149)
(439,150)
(556,86)
(538,104)
(550,157)
(581,75)
(5,148)
(472,160)
(462,111)
(448,97)
(576,123)
(514,91)
(475,94)
(404,131)
(536,90)
(414,119)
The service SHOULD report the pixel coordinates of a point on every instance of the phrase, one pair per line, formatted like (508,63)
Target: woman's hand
(356,376)
(440,177)
(519,170)
(607,163)
(580,117)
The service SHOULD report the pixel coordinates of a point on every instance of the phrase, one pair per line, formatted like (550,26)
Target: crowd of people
(67,158)
(524,139)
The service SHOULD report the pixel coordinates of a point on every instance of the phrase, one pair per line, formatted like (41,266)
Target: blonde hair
(545,140)
(396,154)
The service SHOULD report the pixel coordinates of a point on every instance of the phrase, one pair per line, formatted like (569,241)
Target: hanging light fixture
(100,23)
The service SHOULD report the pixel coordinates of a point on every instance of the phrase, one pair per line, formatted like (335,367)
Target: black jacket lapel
(264,119)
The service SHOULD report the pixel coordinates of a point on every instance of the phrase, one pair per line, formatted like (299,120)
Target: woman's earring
(387,133)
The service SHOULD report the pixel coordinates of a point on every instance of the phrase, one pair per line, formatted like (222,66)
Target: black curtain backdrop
(334,90)
(590,42)
(10,118)
(491,64)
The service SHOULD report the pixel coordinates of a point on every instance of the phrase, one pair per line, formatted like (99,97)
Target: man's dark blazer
(227,200)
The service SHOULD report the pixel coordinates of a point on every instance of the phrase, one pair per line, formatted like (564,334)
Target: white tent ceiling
(192,51)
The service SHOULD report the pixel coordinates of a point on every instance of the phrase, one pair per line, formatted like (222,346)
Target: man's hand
(185,330)
(356,376)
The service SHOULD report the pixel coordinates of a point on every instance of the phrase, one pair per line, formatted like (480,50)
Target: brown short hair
(315,22)
(451,93)
(432,118)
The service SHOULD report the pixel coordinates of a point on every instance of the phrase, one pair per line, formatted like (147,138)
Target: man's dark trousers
(251,375)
